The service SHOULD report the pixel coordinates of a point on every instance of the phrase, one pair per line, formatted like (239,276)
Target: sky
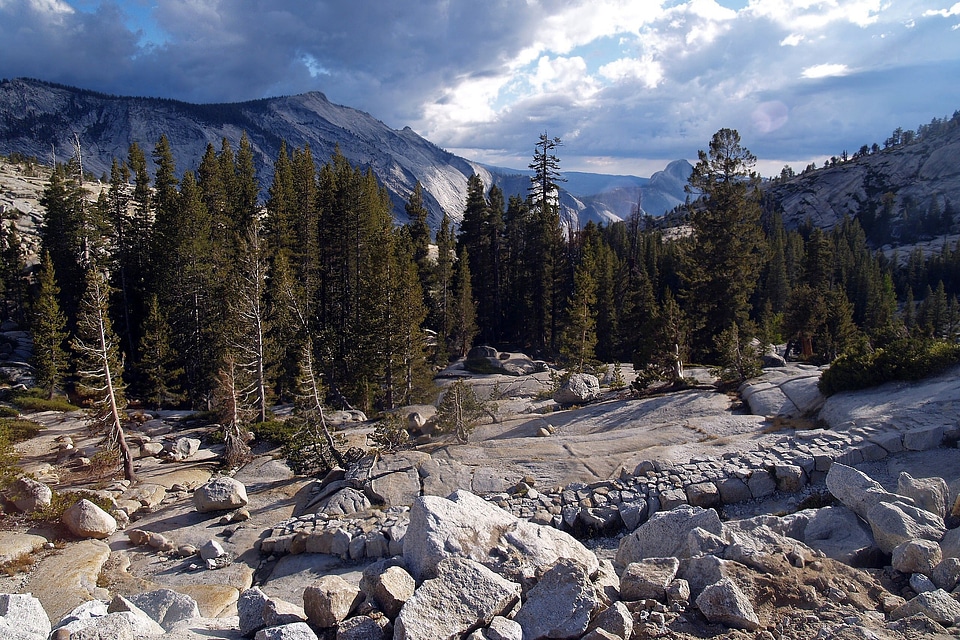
(627,85)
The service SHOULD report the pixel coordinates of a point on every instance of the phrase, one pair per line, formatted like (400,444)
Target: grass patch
(35,400)
(22,564)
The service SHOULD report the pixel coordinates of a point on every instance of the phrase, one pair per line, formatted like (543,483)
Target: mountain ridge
(38,118)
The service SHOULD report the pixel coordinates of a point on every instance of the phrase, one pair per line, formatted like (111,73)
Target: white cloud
(825,71)
(646,69)
(793,40)
(945,13)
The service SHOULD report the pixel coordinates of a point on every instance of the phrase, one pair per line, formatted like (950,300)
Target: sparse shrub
(459,411)
(104,463)
(617,381)
(63,500)
(278,432)
(34,400)
(8,412)
(20,564)
(390,434)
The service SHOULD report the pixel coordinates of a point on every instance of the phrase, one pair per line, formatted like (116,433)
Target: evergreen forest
(187,288)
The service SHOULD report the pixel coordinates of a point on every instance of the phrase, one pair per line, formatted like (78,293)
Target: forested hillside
(198,295)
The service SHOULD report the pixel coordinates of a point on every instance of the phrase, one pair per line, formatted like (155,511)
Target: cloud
(625,83)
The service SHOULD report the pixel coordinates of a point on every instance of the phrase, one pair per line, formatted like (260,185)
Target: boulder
(950,543)
(22,617)
(561,605)
(916,556)
(293,631)
(648,578)
(388,586)
(467,526)
(725,603)
(927,493)
(664,534)
(615,620)
(894,523)
(936,605)
(503,629)
(86,520)
(166,606)
(250,608)
(838,533)
(703,494)
(328,601)
(465,594)
(946,575)
(28,495)
(365,628)
(220,494)
(211,550)
(855,489)
(578,389)
(184,448)
(279,612)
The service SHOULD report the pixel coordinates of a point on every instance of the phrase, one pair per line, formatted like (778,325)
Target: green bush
(61,501)
(278,432)
(35,400)
(903,359)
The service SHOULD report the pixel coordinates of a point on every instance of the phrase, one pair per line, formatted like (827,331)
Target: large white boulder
(86,520)
(579,388)
(22,617)
(467,526)
(220,494)
(561,605)
(663,535)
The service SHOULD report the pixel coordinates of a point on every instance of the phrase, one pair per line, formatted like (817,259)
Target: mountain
(896,192)
(40,119)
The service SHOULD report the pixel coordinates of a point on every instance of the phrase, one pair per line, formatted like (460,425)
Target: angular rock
(28,495)
(946,575)
(580,388)
(921,583)
(633,513)
(344,502)
(250,608)
(220,494)
(467,526)
(561,605)
(894,523)
(648,578)
(950,543)
(733,490)
(465,594)
(856,490)
(397,488)
(761,483)
(328,601)
(293,631)
(166,606)
(927,493)
(703,494)
(279,612)
(365,628)
(725,603)
(86,520)
(916,556)
(838,533)
(789,477)
(936,605)
(700,541)
(923,438)
(22,617)
(211,550)
(389,587)
(663,535)
(615,620)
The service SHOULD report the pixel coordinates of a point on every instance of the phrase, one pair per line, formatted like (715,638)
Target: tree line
(186,289)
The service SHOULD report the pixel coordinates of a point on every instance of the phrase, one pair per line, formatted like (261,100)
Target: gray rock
(702,571)
(389,587)
(950,543)
(663,535)
(184,448)
(856,490)
(580,388)
(700,541)
(279,612)
(561,605)
(670,499)
(22,617)
(895,523)
(250,608)
(789,477)
(648,578)
(28,495)
(467,526)
(678,591)
(733,490)
(946,575)
(615,620)
(148,449)
(838,533)
(364,628)
(916,556)
(703,494)
(344,502)
(633,513)
(503,629)
(761,483)
(166,606)
(923,438)
(211,550)
(293,631)
(464,594)
(86,520)
(921,583)
(397,488)
(927,493)
(725,603)
(936,605)
(328,601)
(220,494)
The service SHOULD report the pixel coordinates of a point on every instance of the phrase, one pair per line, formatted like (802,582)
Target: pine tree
(442,299)
(459,411)
(14,266)
(49,331)
(157,369)
(723,265)
(99,368)
(63,234)
(579,336)
(419,230)
(464,311)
